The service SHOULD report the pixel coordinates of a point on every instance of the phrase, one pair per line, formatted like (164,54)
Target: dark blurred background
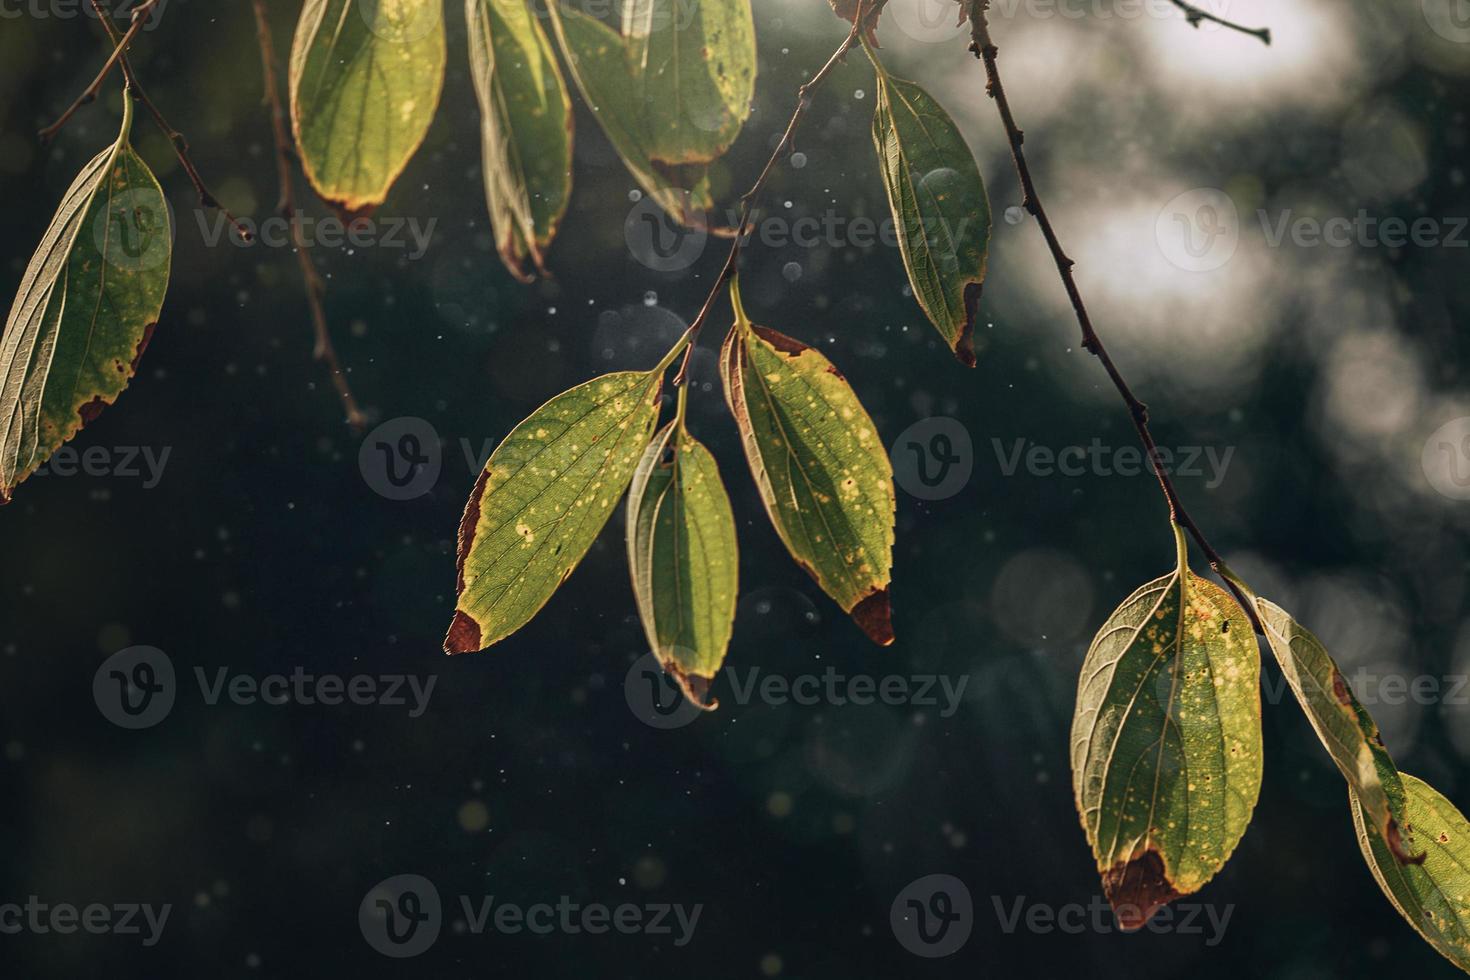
(264,547)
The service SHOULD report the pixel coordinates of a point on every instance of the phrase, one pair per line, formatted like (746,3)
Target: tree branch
(176,139)
(1195,16)
(315,285)
(863,19)
(984,49)
(89,94)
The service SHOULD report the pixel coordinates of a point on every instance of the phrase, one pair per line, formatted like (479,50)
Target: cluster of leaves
(817,459)
(1166,756)
(1166,741)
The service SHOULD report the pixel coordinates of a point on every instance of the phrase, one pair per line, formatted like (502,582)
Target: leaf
(819,463)
(365,80)
(1433,895)
(1341,722)
(1166,740)
(684,558)
(525,127)
(671,91)
(939,206)
(86,309)
(542,499)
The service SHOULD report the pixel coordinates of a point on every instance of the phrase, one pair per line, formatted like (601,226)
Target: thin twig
(89,94)
(866,13)
(984,48)
(1195,16)
(176,139)
(315,285)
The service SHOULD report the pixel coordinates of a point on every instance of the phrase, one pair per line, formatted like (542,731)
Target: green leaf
(671,91)
(86,308)
(684,558)
(939,206)
(1166,740)
(1433,895)
(820,465)
(525,128)
(542,499)
(1341,722)
(365,80)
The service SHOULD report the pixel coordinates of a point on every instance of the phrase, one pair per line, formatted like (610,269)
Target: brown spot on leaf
(695,686)
(467,525)
(90,410)
(1395,842)
(1137,889)
(142,346)
(789,346)
(1340,689)
(964,344)
(464,635)
(874,615)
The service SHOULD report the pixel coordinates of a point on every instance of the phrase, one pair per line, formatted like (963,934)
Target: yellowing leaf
(1433,895)
(86,308)
(1341,722)
(671,91)
(542,499)
(821,467)
(365,80)
(525,126)
(939,205)
(1166,740)
(684,558)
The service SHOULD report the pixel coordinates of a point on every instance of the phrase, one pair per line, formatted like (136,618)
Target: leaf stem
(984,48)
(89,94)
(867,9)
(175,138)
(1195,16)
(315,285)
